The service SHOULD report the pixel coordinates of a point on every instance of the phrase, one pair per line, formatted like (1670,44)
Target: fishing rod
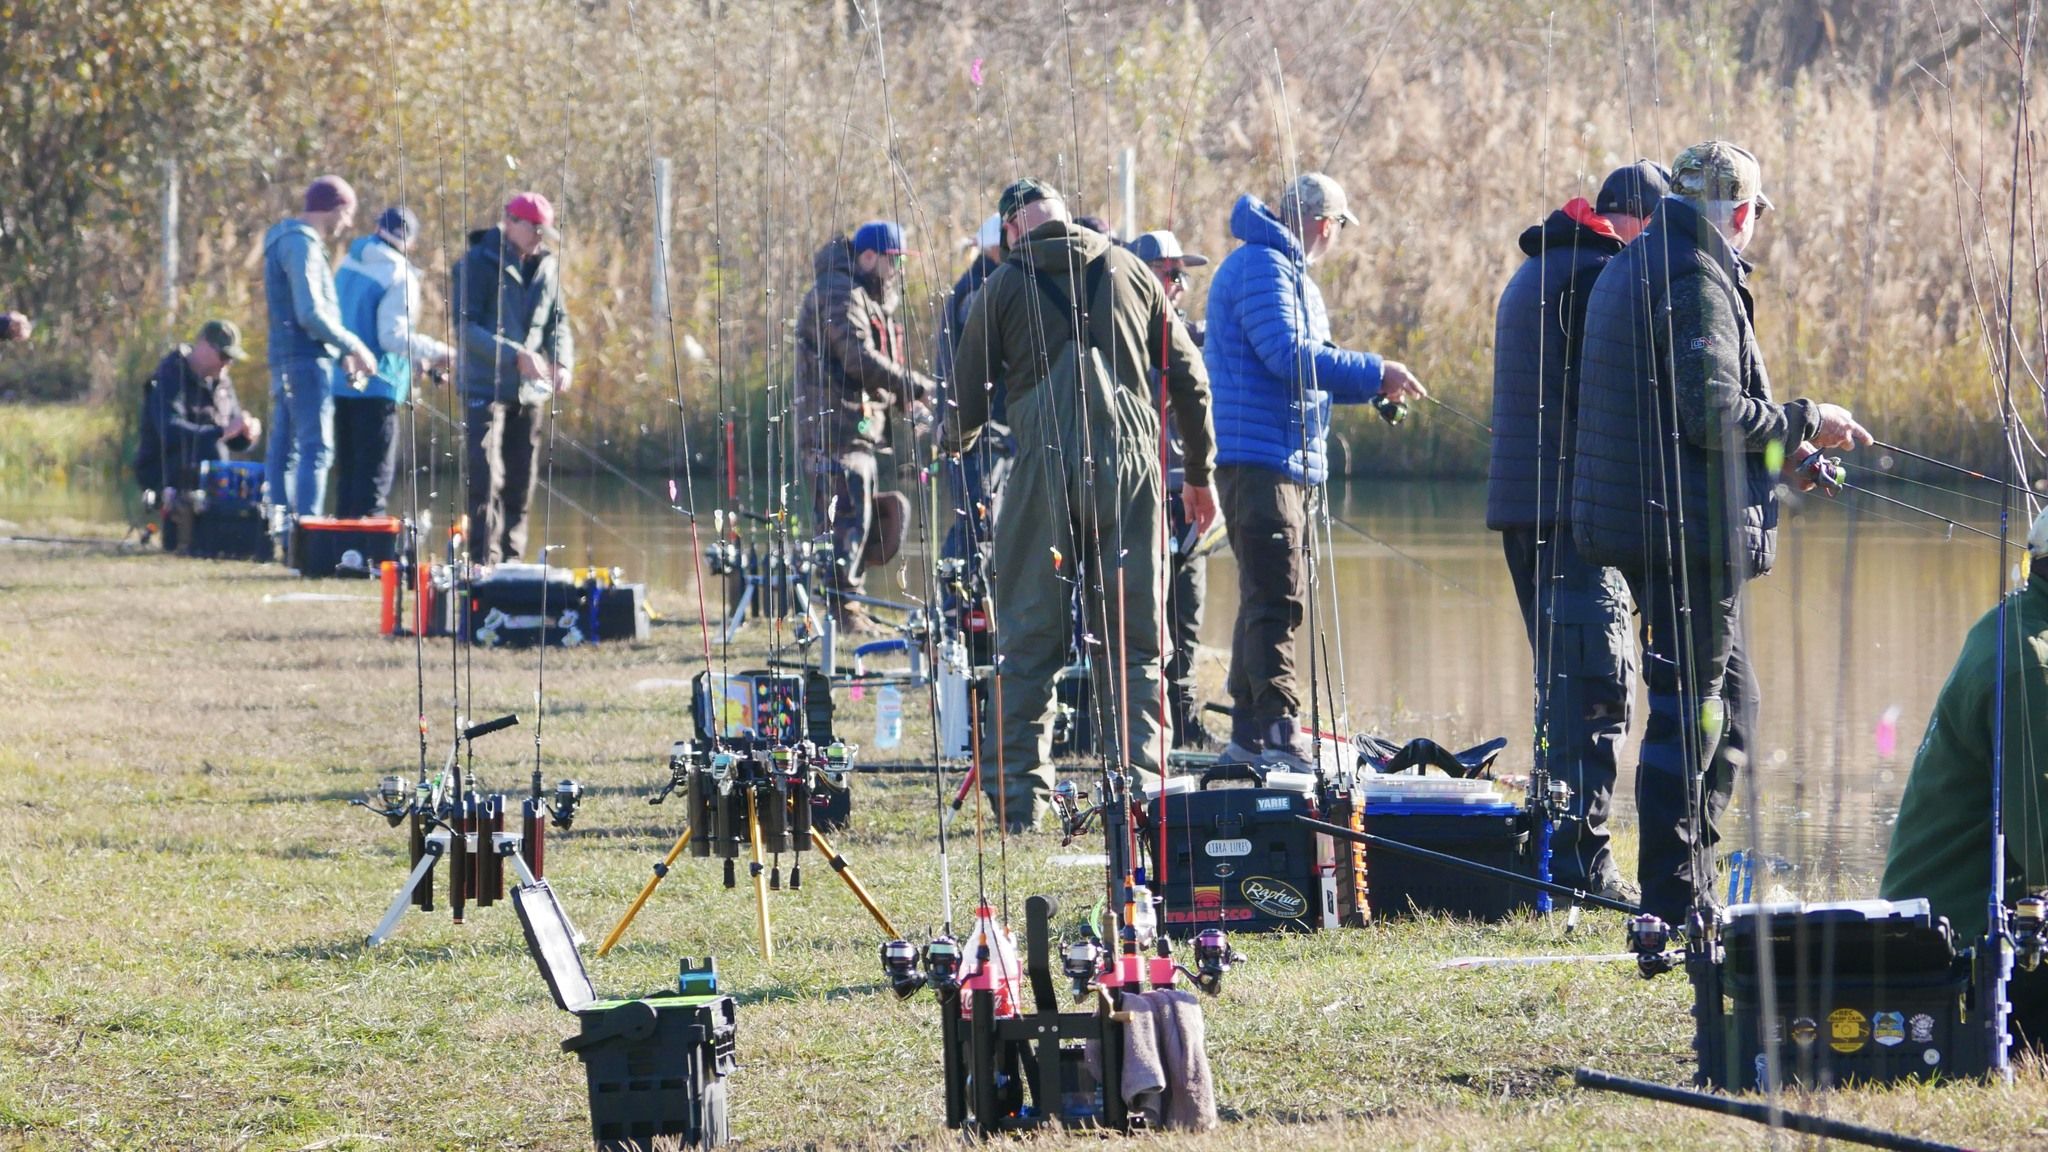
(1831,476)
(1418,564)
(1768,1114)
(1970,472)
(1473,867)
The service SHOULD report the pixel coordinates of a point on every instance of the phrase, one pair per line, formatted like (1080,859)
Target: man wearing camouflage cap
(190,415)
(1276,373)
(1680,446)
(1071,328)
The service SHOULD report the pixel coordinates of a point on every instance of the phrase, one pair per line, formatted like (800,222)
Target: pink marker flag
(974,72)
(1887,733)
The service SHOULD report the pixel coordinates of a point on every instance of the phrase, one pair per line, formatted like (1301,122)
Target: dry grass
(188,893)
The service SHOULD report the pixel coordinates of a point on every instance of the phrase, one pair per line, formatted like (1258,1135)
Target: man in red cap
(516,353)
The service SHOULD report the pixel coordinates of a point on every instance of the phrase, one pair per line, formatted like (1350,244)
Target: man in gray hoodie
(307,337)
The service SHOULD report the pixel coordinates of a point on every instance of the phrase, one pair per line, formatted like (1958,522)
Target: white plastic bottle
(888,717)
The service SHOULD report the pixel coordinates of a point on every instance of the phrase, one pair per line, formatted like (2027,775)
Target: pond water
(1860,622)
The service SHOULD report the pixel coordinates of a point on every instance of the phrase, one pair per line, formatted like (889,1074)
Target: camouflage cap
(1029,190)
(1718,170)
(1314,196)
(225,338)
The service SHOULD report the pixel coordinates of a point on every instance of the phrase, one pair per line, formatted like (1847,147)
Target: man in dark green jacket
(1072,328)
(1942,841)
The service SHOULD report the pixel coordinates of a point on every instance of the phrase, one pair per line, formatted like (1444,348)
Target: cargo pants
(1082,502)
(1577,618)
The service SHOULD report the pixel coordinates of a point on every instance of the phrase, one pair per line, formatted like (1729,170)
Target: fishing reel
(722,558)
(562,813)
(1827,473)
(1392,411)
(395,794)
(1649,937)
(1214,957)
(1076,814)
(2030,931)
(940,959)
(1082,963)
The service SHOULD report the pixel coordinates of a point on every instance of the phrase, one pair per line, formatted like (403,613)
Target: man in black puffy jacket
(1679,448)
(1576,613)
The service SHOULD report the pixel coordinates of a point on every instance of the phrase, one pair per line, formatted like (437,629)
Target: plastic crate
(1495,834)
(326,546)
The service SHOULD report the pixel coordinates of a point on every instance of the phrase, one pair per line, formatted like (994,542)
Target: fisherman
(1188,574)
(517,353)
(850,373)
(379,291)
(190,415)
(1277,372)
(1071,328)
(1576,614)
(977,480)
(306,338)
(1941,843)
(14,326)
(1670,337)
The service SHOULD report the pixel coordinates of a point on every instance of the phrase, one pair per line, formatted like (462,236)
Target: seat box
(1495,833)
(1238,859)
(327,546)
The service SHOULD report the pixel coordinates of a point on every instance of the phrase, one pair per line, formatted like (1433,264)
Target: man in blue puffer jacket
(380,302)
(307,337)
(1275,373)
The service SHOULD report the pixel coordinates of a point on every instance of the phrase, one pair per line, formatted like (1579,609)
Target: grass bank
(60,444)
(189,891)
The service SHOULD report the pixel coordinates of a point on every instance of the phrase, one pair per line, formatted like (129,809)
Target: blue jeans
(301,435)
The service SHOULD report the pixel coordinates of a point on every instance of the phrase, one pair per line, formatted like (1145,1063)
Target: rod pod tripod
(757,796)
(448,819)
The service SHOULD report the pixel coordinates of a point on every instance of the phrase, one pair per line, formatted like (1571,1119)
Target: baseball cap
(399,223)
(1633,189)
(1029,190)
(1163,245)
(225,338)
(1316,196)
(2037,539)
(1718,170)
(328,192)
(535,209)
(991,234)
(884,236)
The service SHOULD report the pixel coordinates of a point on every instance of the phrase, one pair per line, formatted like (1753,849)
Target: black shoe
(1285,747)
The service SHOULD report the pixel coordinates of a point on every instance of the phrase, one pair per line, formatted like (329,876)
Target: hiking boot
(1615,888)
(1189,733)
(1247,742)
(1286,748)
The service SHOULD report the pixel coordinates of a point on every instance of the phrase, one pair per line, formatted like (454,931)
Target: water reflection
(1862,615)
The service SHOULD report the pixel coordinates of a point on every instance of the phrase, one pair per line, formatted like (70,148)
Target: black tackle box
(1237,858)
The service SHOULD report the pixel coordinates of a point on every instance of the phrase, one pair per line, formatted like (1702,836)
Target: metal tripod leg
(760,875)
(853,884)
(739,612)
(436,847)
(640,901)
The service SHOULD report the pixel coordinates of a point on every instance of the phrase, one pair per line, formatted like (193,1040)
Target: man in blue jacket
(380,301)
(1576,614)
(1275,373)
(307,337)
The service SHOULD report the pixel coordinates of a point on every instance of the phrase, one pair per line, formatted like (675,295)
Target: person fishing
(517,352)
(190,415)
(379,291)
(1069,329)
(850,372)
(1673,484)
(307,336)
(976,482)
(1187,586)
(1943,833)
(1576,614)
(15,327)
(1277,372)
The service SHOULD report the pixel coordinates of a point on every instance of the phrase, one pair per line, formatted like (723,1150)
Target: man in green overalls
(1072,328)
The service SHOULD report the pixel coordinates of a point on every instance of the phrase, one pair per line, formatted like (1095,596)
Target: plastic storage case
(1870,991)
(1492,832)
(326,546)
(656,1065)
(1238,858)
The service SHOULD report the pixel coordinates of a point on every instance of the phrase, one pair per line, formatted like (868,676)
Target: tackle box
(656,1065)
(521,605)
(223,518)
(1871,991)
(1466,823)
(1237,858)
(328,546)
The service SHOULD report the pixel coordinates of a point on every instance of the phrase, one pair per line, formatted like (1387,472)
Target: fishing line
(1970,472)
